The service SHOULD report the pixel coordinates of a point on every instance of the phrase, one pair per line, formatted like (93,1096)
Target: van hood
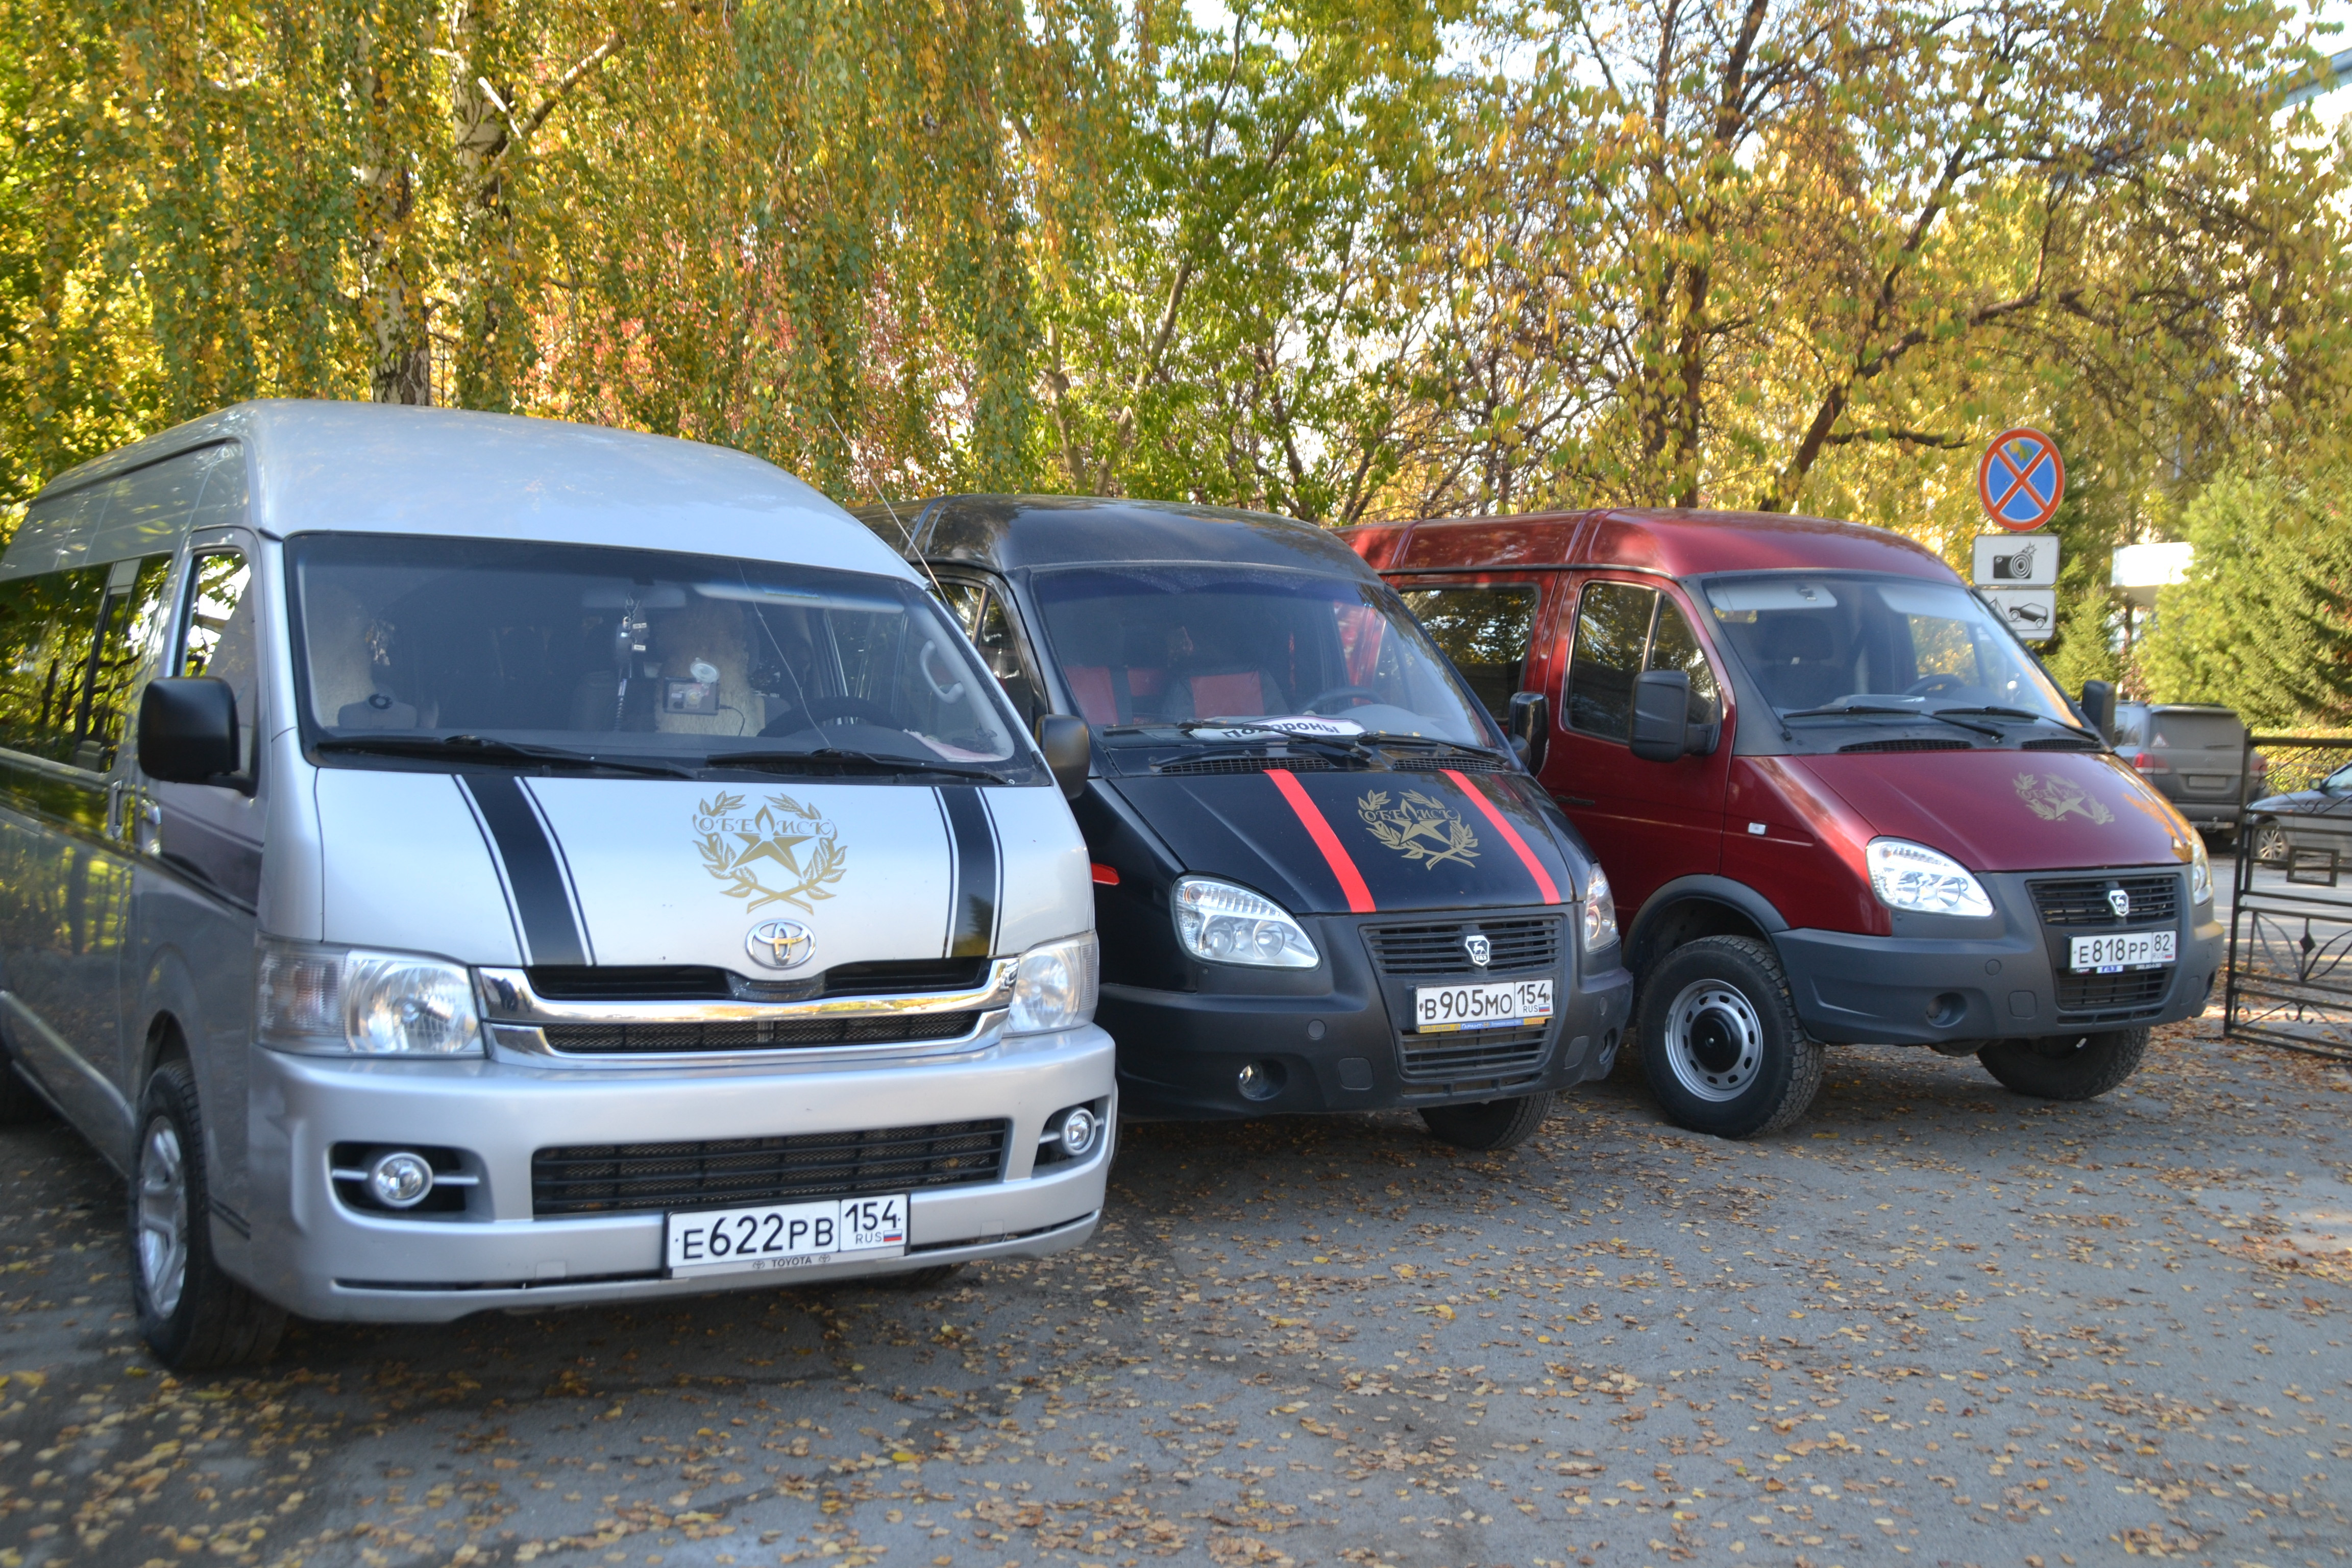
(2008,811)
(1325,843)
(498,869)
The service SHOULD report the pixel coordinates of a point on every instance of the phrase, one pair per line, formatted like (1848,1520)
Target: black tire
(202,1320)
(2066,1067)
(2266,842)
(1488,1124)
(1720,1042)
(930,1279)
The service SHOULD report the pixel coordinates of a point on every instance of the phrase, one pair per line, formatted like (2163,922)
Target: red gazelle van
(1840,803)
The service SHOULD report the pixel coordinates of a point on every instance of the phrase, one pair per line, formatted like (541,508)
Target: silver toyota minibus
(452,861)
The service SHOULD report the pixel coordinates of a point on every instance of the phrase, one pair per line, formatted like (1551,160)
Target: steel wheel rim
(1714,1040)
(163,1217)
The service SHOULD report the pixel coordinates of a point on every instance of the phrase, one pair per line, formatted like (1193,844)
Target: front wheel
(192,1314)
(1490,1125)
(1721,1044)
(2268,843)
(2066,1067)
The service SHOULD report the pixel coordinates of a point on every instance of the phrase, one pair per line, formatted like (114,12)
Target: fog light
(400,1180)
(1259,1080)
(1078,1131)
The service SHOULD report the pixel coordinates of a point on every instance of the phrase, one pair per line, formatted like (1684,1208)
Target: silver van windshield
(684,660)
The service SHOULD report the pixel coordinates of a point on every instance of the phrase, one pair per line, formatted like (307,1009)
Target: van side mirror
(2099,707)
(1069,750)
(1663,731)
(187,729)
(1530,728)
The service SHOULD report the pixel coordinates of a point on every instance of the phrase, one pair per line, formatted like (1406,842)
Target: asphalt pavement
(1937,1323)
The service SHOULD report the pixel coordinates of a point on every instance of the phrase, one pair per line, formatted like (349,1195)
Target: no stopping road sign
(2020,479)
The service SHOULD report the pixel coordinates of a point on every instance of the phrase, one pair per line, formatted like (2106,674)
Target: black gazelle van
(1324,878)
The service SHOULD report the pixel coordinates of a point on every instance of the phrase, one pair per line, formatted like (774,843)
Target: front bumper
(1939,982)
(1329,1039)
(319,1256)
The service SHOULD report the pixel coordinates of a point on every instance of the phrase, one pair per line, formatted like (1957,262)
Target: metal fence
(2289,978)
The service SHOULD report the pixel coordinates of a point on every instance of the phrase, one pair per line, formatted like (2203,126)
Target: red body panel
(2011,811)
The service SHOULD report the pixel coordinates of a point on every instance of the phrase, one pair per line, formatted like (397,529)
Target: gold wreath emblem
(1420,828)
(2053,797)
(795,844)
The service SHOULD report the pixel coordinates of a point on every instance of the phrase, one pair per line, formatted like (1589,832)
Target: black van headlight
(1225,923)
(341,1001)
(1600,913)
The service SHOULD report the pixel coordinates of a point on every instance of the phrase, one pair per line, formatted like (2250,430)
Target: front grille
(754,1035)
(1486,1054)
(1247,766)
(1938,745)
(2082,901)
(2129,992)
(1434,947)
(618,1178)
(698,982)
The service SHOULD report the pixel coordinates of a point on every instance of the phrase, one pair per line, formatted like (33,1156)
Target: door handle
(1579,800)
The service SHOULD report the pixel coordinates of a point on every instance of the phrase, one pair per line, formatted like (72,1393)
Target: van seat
(1090,687)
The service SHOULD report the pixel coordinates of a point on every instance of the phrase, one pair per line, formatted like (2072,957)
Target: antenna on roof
(892,512)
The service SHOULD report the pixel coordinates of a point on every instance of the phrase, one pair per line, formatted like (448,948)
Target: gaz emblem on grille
(1479,949)
(2119,901)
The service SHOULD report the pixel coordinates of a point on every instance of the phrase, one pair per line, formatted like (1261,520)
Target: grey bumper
(319,1256)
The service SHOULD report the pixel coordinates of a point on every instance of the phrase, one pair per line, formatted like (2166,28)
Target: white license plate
(1498,1004)
(786,1236)
(2124,950)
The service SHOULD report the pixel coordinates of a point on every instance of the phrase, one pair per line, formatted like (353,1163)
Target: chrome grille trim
(507,997)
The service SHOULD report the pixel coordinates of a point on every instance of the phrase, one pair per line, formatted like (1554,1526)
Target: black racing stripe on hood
(534,875)
(976,882)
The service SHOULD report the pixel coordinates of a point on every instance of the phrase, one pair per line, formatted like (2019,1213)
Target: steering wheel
(1362,694)
(948,693)
(1928,685)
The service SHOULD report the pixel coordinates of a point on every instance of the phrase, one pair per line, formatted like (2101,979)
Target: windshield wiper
(1871,709)
(2026,713)
(842,756)
(477,749)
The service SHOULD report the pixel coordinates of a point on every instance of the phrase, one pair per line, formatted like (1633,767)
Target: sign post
(2020,479)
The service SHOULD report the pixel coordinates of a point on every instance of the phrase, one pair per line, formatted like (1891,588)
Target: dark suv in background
(2191,753)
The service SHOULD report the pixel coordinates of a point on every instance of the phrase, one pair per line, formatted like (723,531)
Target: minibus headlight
(2201,870)
(1600,913)
(348,1001)
(1908,876)
(1056,986)
(1227,925)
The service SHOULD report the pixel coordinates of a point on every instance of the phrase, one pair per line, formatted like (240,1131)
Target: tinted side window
(1676,647)
(1483,630)
(126,635)
(217,635)
(1613,634)
(49,625)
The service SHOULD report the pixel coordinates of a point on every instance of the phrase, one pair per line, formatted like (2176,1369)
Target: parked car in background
(1323,880)
(1838,801)
(2192,753)
(2309,830)
(451,861)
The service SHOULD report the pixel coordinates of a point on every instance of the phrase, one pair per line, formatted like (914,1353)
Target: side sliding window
(128,626)
(49,633)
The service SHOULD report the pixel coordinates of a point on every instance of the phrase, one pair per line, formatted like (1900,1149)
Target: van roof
(1681,544)
(1010,532)
(369,468)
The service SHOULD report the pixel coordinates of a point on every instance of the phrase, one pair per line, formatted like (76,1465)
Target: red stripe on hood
(1335,853)
(1511,835)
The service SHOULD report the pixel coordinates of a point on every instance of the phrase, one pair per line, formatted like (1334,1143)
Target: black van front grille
(2083,901)
(754,1035)
(1434,947)
(1485,1053)
(620,1178)
(2133,990)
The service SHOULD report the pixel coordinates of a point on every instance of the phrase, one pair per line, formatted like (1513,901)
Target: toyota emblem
(781,944)
(1479,949)
(2119,901)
